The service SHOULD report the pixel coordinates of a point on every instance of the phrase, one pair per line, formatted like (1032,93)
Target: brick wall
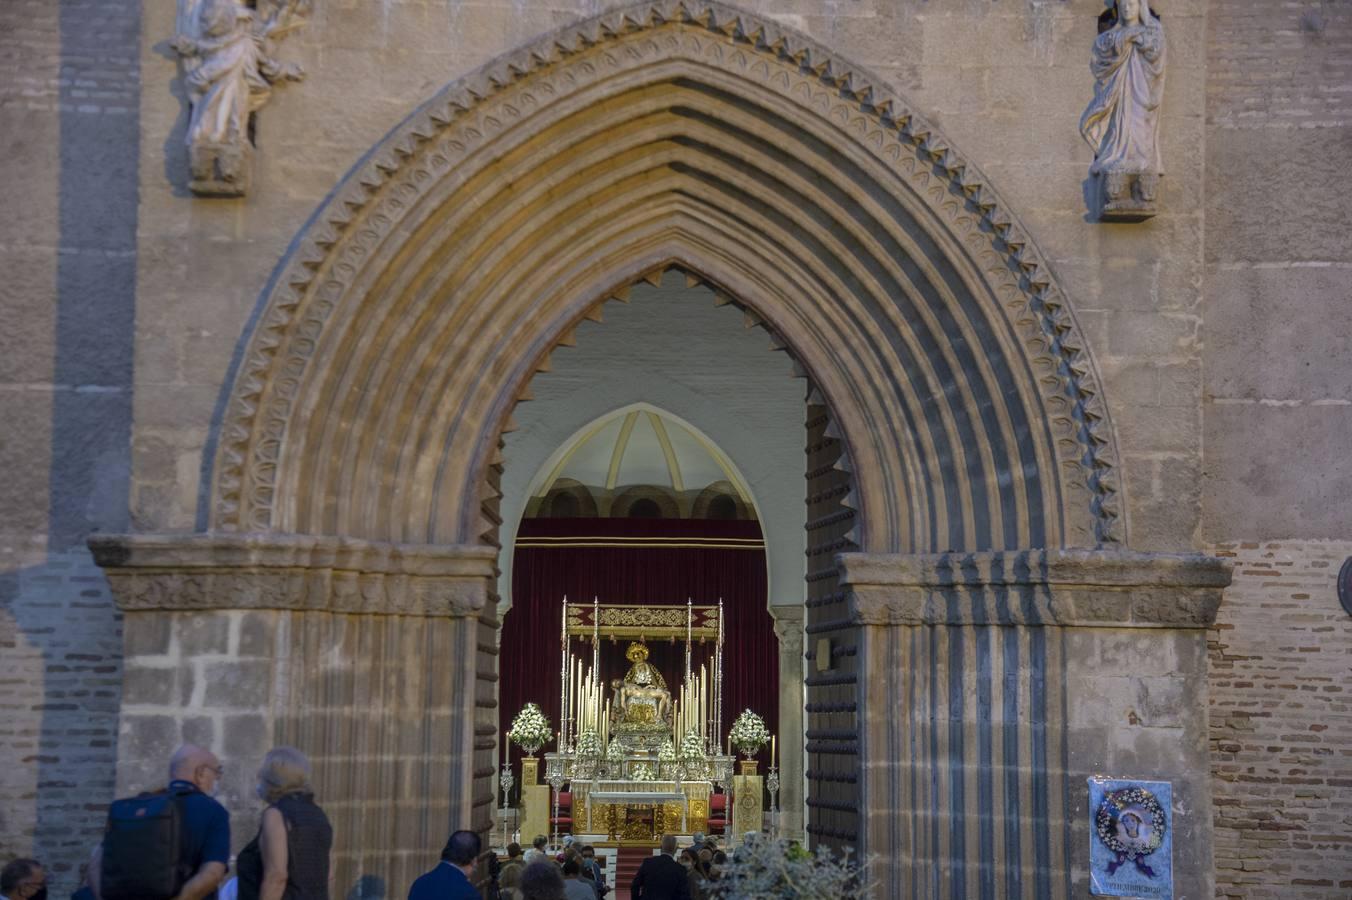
(1281,724)
(60,688)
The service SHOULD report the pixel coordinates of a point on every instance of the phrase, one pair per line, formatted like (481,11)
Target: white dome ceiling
(641,445)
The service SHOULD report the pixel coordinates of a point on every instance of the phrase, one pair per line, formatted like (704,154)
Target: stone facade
(1217,333)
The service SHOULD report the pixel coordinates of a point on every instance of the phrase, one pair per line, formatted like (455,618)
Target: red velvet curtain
(666,573)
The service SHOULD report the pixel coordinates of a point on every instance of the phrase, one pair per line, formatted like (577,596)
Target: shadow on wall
(60,630)
(368,887)
(62,646)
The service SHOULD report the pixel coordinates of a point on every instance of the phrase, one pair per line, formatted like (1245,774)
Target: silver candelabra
(505,780)
(772,785)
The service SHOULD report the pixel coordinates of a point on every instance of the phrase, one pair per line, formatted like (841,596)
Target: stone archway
(356,465)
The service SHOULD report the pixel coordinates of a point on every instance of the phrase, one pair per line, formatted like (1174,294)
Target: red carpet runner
(626,867)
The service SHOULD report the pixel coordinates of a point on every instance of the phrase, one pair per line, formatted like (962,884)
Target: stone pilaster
(993,684)
(365,656)
(789,631)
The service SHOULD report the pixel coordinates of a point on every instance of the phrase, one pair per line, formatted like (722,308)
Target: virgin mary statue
(1122,122)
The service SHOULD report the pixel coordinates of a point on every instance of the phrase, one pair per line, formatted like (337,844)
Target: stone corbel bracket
(296,572)
(1085,588)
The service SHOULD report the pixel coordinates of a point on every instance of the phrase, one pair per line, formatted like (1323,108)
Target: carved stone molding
(262,460)
(274,571)
(1086,588)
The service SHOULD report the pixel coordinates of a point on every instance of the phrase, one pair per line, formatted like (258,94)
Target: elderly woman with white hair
(289,857)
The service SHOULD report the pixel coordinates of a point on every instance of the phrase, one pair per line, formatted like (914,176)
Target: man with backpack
(169,845)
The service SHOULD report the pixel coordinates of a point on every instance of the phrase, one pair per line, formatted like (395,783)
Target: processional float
(639,761)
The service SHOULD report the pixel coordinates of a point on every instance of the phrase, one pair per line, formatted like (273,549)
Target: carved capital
(789,628)
(1087,588)
(275,571)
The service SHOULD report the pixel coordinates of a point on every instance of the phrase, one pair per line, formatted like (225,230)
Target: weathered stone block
(202,634)
(1245,196)
(199,730)
(1291,318)
(245,684)
(146,635)
(149,737)
(148,686)
(256,630)
(1274,469)
(245,737)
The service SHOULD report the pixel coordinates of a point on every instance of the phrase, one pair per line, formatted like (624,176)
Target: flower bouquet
(530,729)
(666,758)
(749,733)
(693,758)
(588,745)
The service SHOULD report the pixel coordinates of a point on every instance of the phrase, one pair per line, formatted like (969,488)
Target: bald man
(194,773)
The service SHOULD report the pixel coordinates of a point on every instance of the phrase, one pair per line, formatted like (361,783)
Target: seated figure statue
(642,703)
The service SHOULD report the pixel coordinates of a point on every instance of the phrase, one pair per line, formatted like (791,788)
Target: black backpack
(143,848)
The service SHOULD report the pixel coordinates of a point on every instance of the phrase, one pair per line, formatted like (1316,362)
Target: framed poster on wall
(1131,844)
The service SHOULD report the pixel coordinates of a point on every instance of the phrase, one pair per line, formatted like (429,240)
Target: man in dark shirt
(195,772)
(450,880)
(661,877)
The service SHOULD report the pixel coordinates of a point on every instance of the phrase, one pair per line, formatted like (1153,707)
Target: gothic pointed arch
(414,308)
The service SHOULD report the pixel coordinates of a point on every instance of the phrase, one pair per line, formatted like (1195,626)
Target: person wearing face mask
(289,857)
(128,862)
(23,879)
(692,874)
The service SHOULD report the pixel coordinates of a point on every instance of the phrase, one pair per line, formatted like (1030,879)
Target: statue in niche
(229,70)
(1122,121)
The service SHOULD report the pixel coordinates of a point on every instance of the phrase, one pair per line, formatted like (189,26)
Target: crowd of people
(174,844)
(575,874)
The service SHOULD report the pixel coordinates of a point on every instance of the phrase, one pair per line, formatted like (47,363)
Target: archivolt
(421,299)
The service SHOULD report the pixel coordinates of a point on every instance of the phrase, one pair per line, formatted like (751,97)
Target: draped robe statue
(1122,122)
(229,72)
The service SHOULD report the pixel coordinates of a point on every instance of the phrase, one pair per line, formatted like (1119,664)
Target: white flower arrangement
(765,867)
(667,752)
(588,744)
(692,747)
(615,751)
(749,733)
(643,772)
(530,729)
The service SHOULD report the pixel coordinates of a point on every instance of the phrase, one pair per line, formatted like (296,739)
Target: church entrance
(961,568)
(651,528)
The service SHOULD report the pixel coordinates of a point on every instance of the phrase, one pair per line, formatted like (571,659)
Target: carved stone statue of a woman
(1122,122)
(229,71)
